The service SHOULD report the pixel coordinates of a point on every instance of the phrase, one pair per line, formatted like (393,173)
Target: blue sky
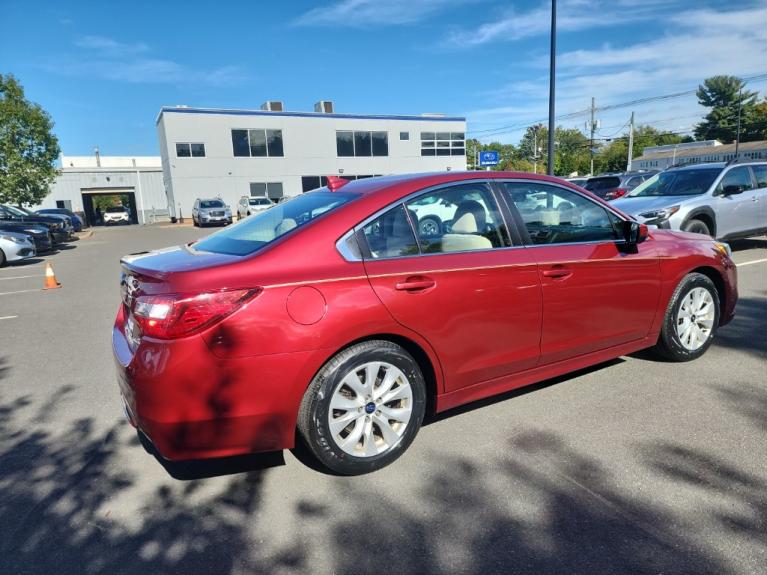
(104,69)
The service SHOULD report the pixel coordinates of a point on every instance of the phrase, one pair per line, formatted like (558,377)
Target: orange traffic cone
(50,278)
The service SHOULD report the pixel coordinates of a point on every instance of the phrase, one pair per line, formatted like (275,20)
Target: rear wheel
(364,408)
(2,258)
(691,319)
(429,226)
(696,227)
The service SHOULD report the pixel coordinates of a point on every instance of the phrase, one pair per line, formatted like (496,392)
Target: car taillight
(617,193)
(177,315)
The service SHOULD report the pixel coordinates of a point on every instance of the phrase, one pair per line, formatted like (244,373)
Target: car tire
(695,226)
(694,295)
(429,226)
(2,258)
(363,445)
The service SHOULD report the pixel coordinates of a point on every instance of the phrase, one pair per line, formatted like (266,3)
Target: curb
(85,235)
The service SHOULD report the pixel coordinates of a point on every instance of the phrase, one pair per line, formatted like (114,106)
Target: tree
(28,147)
(613,157)
(572,149)
(723,94)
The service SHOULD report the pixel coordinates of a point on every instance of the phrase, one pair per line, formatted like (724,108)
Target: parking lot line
(22,277)
(19,291)
(8,317)
(752,262)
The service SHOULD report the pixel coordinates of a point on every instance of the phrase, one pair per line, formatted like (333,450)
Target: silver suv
(212,211)
(726,201)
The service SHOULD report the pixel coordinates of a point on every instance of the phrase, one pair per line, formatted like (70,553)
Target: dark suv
(612,186)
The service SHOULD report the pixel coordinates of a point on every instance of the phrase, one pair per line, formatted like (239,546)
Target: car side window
(634,182)
(735,181)
(760,172)
(457,219)
(391,235)
(554,215)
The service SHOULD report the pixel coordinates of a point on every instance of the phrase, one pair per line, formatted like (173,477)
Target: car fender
(700,210)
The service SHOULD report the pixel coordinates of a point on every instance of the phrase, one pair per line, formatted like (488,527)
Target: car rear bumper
(192,404)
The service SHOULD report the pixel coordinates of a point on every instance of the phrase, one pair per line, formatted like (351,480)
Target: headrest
(466,224)
(285,226)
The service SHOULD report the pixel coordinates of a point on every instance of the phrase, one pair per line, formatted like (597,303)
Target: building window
(361,144)
(404,135)
(257,143)
(443,144)
(309,183)
(271,190)
(187,150)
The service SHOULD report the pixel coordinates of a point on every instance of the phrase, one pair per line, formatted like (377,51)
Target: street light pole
(737,135)
(552,85)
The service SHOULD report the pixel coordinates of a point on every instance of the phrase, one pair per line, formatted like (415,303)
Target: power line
(497,131)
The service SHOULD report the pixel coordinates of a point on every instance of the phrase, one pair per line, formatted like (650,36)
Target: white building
(136,182)
(661,157)
(233,153)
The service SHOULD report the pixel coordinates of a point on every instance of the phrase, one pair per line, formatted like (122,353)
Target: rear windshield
(260,202)
(253,233)
(602,184)
(677,183)
(211,204)
(115,209)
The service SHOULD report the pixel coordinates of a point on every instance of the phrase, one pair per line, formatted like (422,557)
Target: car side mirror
(634,232)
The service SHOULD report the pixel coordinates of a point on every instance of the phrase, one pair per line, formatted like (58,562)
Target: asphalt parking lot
(635,466)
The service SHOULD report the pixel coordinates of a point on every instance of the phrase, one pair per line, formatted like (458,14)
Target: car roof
(701,165)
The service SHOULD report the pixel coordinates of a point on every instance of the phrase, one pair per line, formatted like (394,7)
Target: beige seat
(464,236)
(285,226)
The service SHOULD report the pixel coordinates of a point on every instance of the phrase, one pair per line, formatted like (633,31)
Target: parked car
(249,205)
(331,318)
(59,234)
(116,215)
(612,186)
(66,220)
(39,233)
(212,211)
(725,201)
(77,222)
(15,247)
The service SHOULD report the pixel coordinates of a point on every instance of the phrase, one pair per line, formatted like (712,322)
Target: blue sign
(490,158)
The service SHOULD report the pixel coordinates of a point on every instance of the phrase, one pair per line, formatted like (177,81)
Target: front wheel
(696,227)
(691,319)
(429,226)
(363,408)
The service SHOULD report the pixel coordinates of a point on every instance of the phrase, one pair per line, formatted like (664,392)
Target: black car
(612,186)
(59,233)
(39,234)
(77,222)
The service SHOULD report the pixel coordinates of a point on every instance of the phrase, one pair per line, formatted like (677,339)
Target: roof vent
(272,106)
(324,107)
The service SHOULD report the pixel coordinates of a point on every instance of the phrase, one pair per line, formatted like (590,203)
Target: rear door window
(760,172)
(391,235)
(458,218)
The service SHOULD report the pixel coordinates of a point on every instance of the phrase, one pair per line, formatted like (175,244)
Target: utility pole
(592,127)
(631,143)
(552,85)
(737,135)
(535,148)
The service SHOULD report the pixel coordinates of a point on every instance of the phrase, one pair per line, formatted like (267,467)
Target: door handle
(415,284)
(557,273)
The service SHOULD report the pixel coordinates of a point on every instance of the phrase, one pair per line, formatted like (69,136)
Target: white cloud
(572,16)
(109,59)
(698,44)
(356,13)
(110,46)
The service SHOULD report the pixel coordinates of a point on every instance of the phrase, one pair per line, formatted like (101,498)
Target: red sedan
(338,318)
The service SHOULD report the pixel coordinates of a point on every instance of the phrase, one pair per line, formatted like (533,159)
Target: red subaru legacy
(343,316)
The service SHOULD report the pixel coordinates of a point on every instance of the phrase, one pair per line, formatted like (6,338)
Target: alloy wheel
(370,409)
(695,318)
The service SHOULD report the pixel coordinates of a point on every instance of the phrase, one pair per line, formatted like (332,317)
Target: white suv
(116,215)
(250,205)
(726,201)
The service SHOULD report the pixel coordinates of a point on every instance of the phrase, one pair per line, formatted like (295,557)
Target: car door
(596,293)
(735,202)
(760,178)
(475,298)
